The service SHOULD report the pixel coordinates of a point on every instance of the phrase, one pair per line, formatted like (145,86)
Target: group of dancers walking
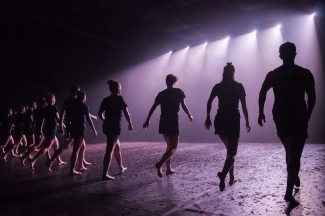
(37,125)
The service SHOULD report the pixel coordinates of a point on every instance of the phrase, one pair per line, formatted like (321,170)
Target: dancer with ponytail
(110,112)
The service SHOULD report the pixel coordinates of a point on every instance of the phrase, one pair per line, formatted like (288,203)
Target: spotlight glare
(205,43)
(227,38)
(313,14)
(279,26)
(170,51)
(254,31)
(187,47)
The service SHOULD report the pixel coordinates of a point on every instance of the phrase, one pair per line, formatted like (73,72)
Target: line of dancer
(35,129)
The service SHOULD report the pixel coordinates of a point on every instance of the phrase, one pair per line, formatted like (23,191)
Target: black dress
(227,119)
(169,101)
(78,119)
(50,123)
(112,106)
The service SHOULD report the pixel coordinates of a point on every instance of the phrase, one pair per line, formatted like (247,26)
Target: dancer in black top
(51,118)
(113,106)
(290,112)
(169,100)
(28,127)
(18,122)
(65,114)
(5,130)
(227,120)
(78,129)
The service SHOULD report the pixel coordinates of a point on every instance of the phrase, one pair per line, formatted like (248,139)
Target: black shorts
(112,128)
(78,130)
(169,126)
(287,125)
(28,131)
(227,124)
(50,131)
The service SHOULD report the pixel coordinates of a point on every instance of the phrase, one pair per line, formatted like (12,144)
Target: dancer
(51,118)
(5,130)
(227,120)
(113,106)
(78,130)
(66,111)
(169,100)
(18,122)
(28,128)
(290,82)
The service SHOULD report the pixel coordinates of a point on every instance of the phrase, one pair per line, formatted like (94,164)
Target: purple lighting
(279,26)
(313,14)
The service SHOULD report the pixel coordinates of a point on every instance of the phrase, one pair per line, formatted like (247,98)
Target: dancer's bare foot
(232,181)
(3,150)
(60,162)
(49,165)
(32,163)
(170,172)
(75,173)
(297,183)
(83,169)
(86,163)
(107,177)
(293,203)
(222,181)
(5,157)
(159,171)
(122,170)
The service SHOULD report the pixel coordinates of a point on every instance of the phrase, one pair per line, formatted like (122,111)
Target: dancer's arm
(62,115)
(127,117)
(93,116)
(186,110)
(261,100)
(311,100)
(208,123)
(244,108)
(90,122)
(147,122)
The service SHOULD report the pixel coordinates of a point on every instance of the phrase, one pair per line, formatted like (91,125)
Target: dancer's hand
(248,128)
(146,125)
(130,127)
(261,118)
(190,117)
(208,124)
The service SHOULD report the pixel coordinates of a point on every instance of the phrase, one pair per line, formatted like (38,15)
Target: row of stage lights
(255,31)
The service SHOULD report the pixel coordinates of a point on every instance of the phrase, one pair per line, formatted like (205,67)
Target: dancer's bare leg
(285,144)
(17,141)
(118,156)
(66,144)
(47,146)
(295,146)
(30,143)
(111,141)
(230,160)
(81,156)
(56,147)
(172,143)
(38,141)
(232,179)
(76,147)
(85,163)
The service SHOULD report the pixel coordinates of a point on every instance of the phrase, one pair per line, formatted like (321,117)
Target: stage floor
(193,190)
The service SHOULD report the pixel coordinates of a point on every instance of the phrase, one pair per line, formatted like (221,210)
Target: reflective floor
(192,190)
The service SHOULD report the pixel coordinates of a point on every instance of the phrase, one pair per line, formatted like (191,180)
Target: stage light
(313,14)
(170,52)
(255,31)
(205,43)
(279,25)
(227,38)
(187,47)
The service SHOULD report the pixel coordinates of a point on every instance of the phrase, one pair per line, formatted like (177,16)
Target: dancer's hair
(81,95)
(288,47)
(113,86)
(74,89)
(41,102)
(49,97)
(30,104)
(228,73)
(171,79)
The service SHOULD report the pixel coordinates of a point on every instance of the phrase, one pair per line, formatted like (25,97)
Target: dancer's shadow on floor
(291,206)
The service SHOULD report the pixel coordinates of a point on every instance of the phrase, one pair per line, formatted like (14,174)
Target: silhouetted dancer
(78,119)
(51,118)
(65,114)
(6,125)
(17,133)
(110,112)
(169,101)
(290,82)
(227,120)
(28,128)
